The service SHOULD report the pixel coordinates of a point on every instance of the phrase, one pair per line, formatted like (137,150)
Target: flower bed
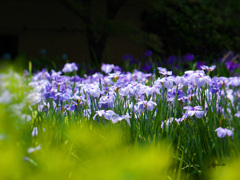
(195,115)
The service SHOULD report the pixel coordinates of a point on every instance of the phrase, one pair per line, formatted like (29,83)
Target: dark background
(95,31)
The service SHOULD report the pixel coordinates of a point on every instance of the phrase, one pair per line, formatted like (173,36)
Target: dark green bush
(201,27)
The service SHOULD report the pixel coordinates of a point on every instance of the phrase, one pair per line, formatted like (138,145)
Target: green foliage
(199,27)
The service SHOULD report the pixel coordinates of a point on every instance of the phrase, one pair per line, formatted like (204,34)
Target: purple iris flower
(215,85)
(43,75)
(222,132)
(148,53)
(146,104)
(107,68)
(237,114)
(172,60)
(106,114)
(115,75)
(93,90)
(128,57)
(72,107)
(201,80)
(140,76)
(130,90)
(87,113)
(197,111)
(69,67)
(166,123)
(149,90)
(231,65)
(208,69)
(180,94)
(106,101)
(131,59)
(31,149)
(117,118)
(199,64)
(233,81)
(117,68)
(63,96)
(55,74)
(78,99)
(75,79)
(35,131)
(50,92)
(164,71)
(188,57)
(92,71)
(167,82)
(34,98)
(181,80)
(147,67)
(190,73)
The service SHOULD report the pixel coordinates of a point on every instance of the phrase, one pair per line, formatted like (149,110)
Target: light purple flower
(63,96)
(197,111)
(106,114)
(117,68)
(164,71)
(208,69)
(69,67)
(166,123)
(149,90)
(34,98)
(6,97)
(222,132)
(237,114)
(87,113)
(191,72)
(124,91)
(181,80)
(173,93)
(115,75)
(107,68)
(31,149)
(106,101)
(79,99)
(167,82)
(146,104)
(93,90)
(130,90)
(117,118)
(202,80)
(183,118)
(26,117)
(35,131)
(233,81)
(232,65)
